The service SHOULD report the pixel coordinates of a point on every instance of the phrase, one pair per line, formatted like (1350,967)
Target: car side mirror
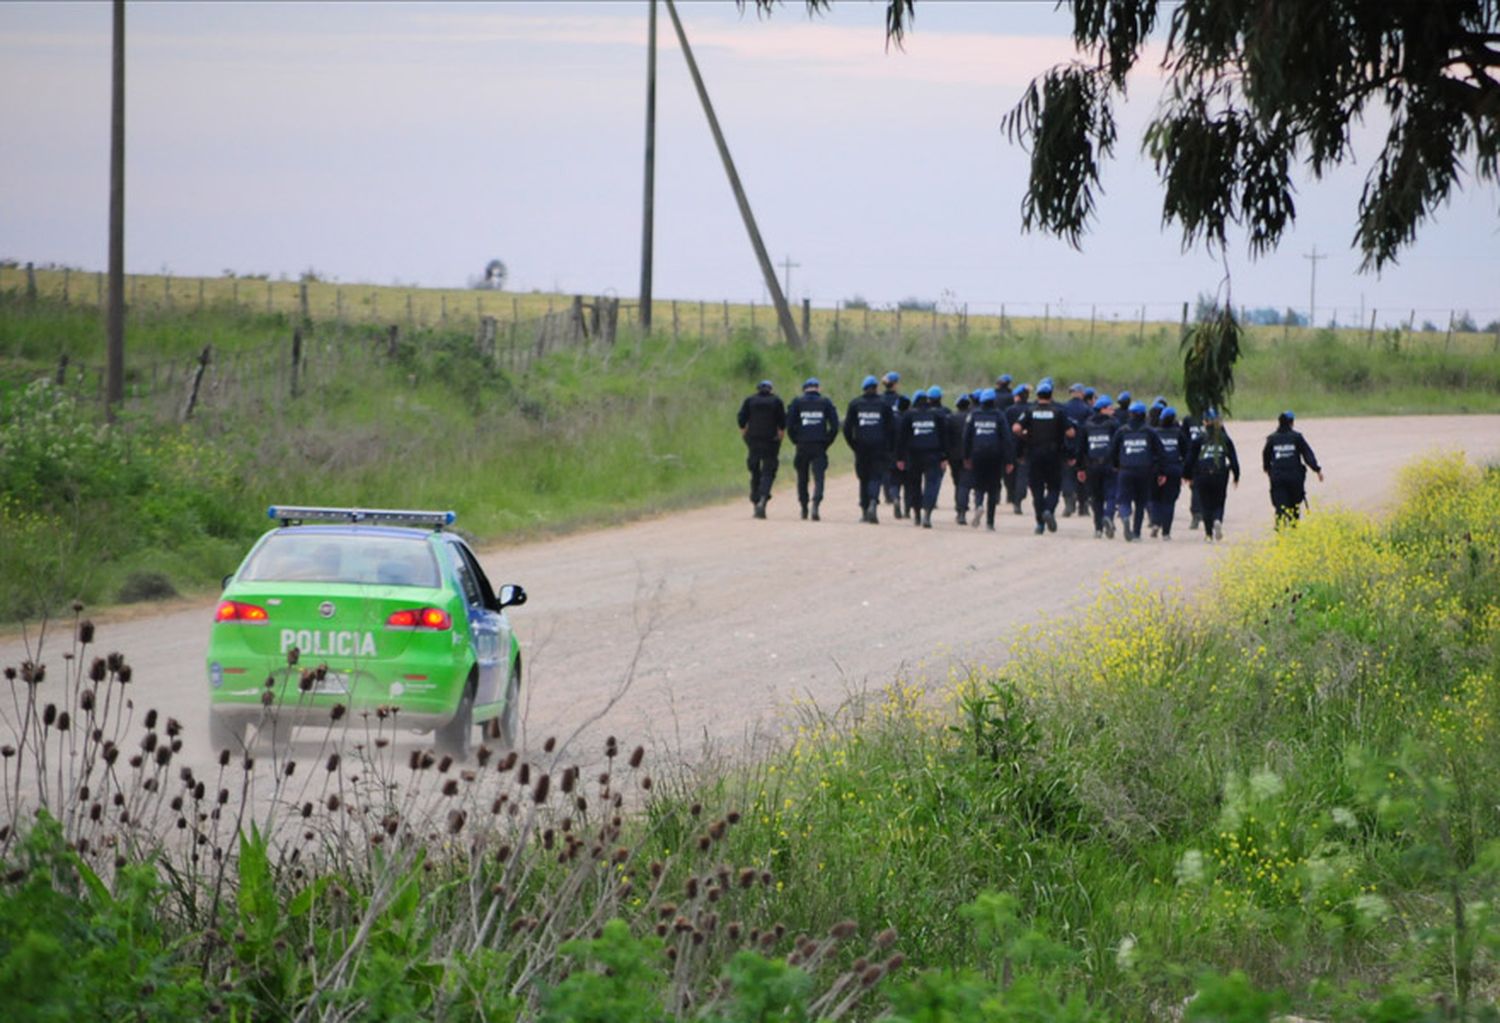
(225,584)
(511,595)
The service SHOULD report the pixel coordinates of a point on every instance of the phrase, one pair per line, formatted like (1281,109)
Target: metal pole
(115,318)
(1312,297)
(783,313)
(648,205)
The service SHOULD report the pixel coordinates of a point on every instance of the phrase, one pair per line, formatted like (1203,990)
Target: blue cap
(934,391)
(1289,414)
(1124,398)
(1075,387)
(811,384)
(1212,413)
(964,399)
(1159,401)
(1045,387)
(892,377)
(1169,413)
(1138,409)
(1022,388)
(920,394)
(764,385)
(1102,404)
(869,383)
(1004,378)
(1088,393)
(988,394)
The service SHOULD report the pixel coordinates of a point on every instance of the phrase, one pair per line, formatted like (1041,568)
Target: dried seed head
(456,820)
(334,802)
(289,767)
(307,810)
(582,804)
(63,721)
(337,711)
(267,697)
(717,828)
(893,964)
(843,930)
(85,632)
(637,755)
(444,764)
(293,656)
(164,756)
(656,869)
(569,777)
(333,762)
(611,748)
(223,758)
(305,681)
(523,776)
(543,784)
(150,720)
(885,938)
(97,670)
(870,976)
(695,809)
(692,888)
(550,744)
(646,782)
(86,701)
(125,674)
(49,714)
(450,787)
(502,854)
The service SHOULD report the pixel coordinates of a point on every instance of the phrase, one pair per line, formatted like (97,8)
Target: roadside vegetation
(1274,798)
(516,442)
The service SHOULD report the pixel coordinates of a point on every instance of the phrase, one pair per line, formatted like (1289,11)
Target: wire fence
(333,330)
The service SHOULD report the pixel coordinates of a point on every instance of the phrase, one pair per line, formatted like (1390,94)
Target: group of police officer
(1098,455)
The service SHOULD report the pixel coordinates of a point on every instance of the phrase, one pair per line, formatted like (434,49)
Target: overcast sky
(393,142)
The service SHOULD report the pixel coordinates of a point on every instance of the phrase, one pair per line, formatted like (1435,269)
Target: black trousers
(1135,491)
(1209,492)
(810,460)
(987,474)
(963,483)
(764,456)
(869,466)
(923,479)
(1287,497)
(1164,502)
(1015,483)
(1100,486)
(1046,483)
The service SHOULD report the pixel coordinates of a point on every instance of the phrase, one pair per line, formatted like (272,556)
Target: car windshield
(343,558)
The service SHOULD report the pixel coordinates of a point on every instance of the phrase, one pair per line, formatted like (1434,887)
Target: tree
(1256,89)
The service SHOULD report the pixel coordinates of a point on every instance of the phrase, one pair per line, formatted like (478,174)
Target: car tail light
(434,618)
(235,611)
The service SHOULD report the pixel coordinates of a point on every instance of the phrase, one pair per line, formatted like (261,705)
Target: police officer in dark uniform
(1192,429)
(1095,471)
(899,403)
(1048,435)
(1173,449)
(870,430)
(1136,455)
(1078,412)
(1017,475)
(762,423)
(963,475)
(1004,398)
(921,451)
(987,451)
(1210,462)
(812,423)
(908,481)
(1286,459)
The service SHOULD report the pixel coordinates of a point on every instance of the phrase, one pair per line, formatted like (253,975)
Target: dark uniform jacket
(923,432)
(957,422)
(1173,448)
(1212,454)
(870,423)
(762,417)
(812,421)
(1286,457)
(1098,436)
(1045,427)
(1136,448)
(987,436)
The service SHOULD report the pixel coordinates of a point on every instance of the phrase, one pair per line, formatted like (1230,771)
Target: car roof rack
(296,515)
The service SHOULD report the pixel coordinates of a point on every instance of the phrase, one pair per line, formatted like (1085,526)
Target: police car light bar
(288,514)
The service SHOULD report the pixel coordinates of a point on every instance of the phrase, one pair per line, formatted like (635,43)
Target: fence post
(702,321)
(752,316)
(99,289)
(200,294)
(1093,317)
(297,355)
(1142,335)
(268,295)
(30,283)
(1448,341)
(1370,339)
(575,319)
(726,319)
(302,302)
(611,323)
(65,286)
(192,398)
(1182,333)
(675,324)
(837,306)
(338,305)
(392,339)
(411,320)
(1046,318)
(1002,319)
(807,320)
(62,370)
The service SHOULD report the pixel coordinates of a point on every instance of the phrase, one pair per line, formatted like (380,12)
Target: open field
(417,307)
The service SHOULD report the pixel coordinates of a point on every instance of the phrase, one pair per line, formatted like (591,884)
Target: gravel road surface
(696,631)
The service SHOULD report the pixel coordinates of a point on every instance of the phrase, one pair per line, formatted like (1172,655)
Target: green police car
(368,608)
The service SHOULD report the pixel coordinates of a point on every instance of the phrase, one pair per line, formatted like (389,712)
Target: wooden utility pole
(648,204)
(115,318)
(1312,297)
(783,313)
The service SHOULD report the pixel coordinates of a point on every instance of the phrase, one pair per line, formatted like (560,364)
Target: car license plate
(334,683)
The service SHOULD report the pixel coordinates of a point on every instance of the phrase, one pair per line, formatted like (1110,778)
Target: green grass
(517,444)
(1277,798)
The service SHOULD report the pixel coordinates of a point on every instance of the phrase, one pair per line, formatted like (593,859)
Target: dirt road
(718,622)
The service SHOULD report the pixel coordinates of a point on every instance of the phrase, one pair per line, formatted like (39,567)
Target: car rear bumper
(401,696)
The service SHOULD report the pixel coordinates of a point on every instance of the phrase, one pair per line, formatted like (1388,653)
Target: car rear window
(343,558)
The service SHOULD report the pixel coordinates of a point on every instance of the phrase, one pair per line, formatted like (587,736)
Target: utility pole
(648,205)
(787,265)
(114,391)
(783,313)
(1312,298)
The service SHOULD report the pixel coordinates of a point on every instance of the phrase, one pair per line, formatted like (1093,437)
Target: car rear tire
(226,732)
(456,738)
(507,724)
